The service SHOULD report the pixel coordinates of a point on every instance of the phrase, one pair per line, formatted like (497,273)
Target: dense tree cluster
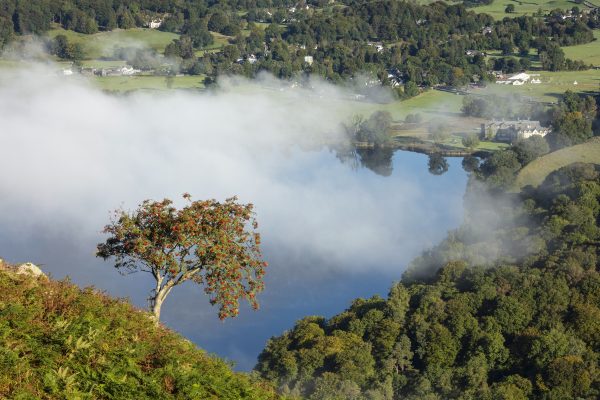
(65,49)
(401,44)
(524,329)
(573,120)
(373,130)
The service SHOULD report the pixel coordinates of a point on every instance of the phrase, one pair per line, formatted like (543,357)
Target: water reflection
(470,163)
(379,160)
(437,164)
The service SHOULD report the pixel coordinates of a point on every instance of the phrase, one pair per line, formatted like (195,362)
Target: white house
(511,131)
(309,60)
(128,71)
(378,46)
(155,23)
(520,77)
(536,80)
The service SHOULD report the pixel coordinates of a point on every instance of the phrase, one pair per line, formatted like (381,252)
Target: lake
(356,243)
(334,226)
(415,209)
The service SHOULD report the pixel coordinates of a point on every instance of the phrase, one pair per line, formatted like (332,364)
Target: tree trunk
(156,301)
(156,305)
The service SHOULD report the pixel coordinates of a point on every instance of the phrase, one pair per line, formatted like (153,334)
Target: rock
(30,269)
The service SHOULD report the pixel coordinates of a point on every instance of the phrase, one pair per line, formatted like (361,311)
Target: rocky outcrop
(27,268)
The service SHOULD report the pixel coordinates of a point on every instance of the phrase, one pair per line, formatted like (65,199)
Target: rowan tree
(212,244)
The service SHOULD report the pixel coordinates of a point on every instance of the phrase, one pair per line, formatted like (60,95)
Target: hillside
(60,342)
(521,329)
(535,172)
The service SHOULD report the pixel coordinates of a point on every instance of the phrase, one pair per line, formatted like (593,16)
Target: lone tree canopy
(212,244)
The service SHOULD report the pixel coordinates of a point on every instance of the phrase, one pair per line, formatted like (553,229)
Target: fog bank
(71,153)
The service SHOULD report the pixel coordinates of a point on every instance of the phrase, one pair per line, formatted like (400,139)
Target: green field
(219,41)
(553,85)
(103,63)
(535,172)
(103,44)
(141,82)
(526,7)
(533,57)
(588,53)
(430,104)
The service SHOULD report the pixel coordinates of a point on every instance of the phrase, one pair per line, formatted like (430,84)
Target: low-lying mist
(71,153)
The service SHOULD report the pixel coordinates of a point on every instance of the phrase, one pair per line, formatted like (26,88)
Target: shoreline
(426,148)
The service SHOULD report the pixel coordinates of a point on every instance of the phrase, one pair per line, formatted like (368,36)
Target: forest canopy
(522,328)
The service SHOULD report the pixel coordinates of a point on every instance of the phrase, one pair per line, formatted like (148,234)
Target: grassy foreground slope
(60,342)
(535,172)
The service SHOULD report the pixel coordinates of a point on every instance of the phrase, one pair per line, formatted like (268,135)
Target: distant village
(113,71)
(495,130)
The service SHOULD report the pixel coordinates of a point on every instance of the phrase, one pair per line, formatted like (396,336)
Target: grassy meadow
(553,85)
(430,104)
(525,7)
(103,44)
(588,53)
(142,82)
(535,172)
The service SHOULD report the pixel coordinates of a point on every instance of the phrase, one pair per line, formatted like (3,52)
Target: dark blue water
(332,232)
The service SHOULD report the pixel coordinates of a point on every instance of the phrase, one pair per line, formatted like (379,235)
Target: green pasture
(430,104)
(10,64)
(103,44)
(219,41)
(141,82)
(588,53)
(553,85)
(535,172)
(492,146)
(526,7)
(533,56)
(103,63)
